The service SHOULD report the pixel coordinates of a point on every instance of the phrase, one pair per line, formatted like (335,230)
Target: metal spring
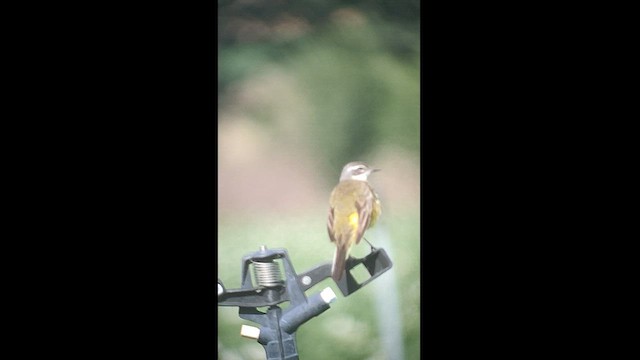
(267,273)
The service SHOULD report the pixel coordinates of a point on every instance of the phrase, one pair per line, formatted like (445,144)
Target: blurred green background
(305,87)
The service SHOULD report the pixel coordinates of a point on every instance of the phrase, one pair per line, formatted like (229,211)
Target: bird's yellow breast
(343,200)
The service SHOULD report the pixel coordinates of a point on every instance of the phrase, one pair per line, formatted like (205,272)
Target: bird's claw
(373,248)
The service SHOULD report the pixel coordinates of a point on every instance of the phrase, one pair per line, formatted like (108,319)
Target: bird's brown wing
(330,225)
(365,208)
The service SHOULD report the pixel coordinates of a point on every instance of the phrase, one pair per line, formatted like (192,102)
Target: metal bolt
(306,280)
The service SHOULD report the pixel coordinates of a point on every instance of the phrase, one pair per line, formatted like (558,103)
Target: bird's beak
(374,170)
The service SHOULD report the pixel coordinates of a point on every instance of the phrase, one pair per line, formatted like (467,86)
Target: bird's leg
(372,247)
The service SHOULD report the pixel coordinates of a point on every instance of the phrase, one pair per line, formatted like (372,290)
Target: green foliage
(357,63)
(362,97)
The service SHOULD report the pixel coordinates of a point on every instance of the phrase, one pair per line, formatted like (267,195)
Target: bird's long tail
(339,258)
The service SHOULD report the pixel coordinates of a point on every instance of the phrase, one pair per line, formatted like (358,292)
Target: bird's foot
(372,247)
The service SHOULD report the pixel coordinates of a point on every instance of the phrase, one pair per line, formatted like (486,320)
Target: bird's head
(356,170)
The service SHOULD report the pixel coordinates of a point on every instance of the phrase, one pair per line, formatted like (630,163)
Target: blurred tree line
(357,61)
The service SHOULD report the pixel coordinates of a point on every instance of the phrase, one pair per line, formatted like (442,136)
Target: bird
(353,208)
